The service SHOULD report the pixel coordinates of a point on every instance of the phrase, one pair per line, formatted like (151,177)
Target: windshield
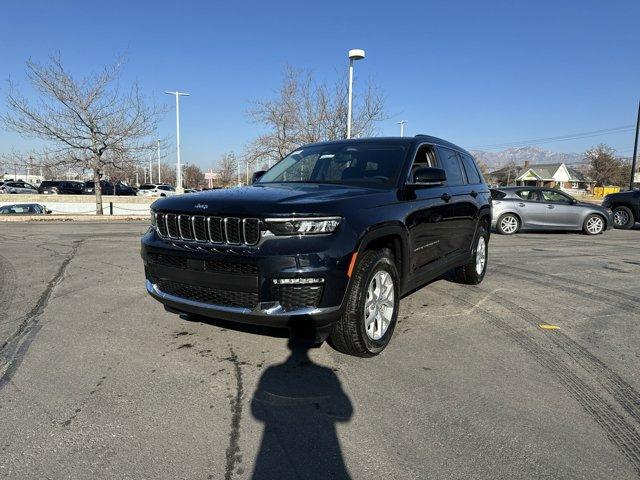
(368,164)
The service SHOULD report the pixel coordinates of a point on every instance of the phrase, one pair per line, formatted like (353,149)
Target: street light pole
(150,169)
(159,161)
(401,123)
(177,94)
(355,54)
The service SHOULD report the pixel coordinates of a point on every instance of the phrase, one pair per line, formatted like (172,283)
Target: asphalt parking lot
(98,381)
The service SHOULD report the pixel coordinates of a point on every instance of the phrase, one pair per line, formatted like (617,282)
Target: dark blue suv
(327,241)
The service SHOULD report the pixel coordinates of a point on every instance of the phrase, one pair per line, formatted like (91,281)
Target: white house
(544,175)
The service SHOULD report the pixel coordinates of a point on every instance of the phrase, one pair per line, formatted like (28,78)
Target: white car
(156,190)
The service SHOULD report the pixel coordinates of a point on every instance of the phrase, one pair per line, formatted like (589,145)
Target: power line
(559,138)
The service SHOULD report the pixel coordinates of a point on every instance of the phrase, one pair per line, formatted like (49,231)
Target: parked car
(24,209)
(61,187)
(17,187)
(537,208)
(156,190)
(625,206)
(107,188)
(329,239)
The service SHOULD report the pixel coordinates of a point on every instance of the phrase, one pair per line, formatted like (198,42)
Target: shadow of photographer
(300,403)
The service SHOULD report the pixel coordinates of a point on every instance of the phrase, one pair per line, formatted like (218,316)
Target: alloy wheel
(595,225)
(379,305)
(509,224)
(481,255)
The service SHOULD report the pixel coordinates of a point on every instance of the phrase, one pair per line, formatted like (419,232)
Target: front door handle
(446,197)
(522,204)
(550,206)
(473,193)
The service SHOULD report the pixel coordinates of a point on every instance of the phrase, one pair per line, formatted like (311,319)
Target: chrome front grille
(208,229)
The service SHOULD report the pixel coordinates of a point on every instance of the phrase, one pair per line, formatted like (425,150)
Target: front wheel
(593,224)
(369,318)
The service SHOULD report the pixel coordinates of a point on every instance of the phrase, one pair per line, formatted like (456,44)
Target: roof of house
(544,171)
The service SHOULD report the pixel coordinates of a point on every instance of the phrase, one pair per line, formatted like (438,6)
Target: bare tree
(306,111)
(192,176)
(227,167)
(86,122)
(511,171)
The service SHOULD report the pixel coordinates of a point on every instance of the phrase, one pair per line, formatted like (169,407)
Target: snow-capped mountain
(521,154)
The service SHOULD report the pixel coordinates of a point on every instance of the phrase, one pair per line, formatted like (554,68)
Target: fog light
(297,281)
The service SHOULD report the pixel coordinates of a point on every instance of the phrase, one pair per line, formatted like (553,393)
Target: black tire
(468,273)
(623,212)
(349,334)
(500,228)
(594,216)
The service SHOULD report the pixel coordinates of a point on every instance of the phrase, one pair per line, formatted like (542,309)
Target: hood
(276,199)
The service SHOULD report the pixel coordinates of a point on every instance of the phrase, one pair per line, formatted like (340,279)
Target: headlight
(302,226)
(153,219)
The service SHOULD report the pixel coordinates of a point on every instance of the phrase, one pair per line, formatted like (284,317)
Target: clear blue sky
(475,73)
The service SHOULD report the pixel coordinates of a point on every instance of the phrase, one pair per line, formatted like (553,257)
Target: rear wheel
(593,224)
(508,224)
(369,318)
(623,217)
(473,272)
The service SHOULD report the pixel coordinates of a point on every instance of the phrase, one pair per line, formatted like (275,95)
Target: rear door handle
(446,197)
(473,193)
(550,206)
(521,204)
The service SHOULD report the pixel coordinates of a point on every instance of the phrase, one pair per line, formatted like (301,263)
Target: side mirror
(429,176)
(257,175)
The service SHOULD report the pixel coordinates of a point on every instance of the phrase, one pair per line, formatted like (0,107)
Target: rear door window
(556,197)
(452,166)
(531,195)
(470,168)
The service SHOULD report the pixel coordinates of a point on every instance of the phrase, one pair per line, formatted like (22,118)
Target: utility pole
(177,94)
(635,150)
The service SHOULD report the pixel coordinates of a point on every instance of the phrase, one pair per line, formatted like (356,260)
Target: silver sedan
(537,208)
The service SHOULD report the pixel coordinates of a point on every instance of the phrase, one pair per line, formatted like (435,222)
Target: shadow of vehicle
(300,403)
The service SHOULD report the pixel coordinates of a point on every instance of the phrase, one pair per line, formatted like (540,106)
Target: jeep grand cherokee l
(329,239)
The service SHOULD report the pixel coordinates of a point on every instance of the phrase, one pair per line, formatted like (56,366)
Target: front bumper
(272,259)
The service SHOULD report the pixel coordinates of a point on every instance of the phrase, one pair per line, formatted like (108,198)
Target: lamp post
(401,123)
(150,170)
(177,94)
(159,161)
(355,54)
